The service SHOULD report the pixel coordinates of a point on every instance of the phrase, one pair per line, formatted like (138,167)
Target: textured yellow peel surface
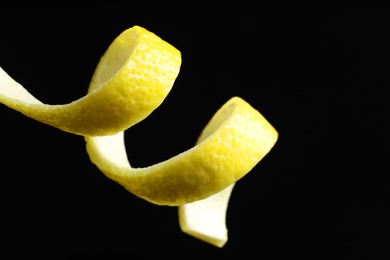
(132,79)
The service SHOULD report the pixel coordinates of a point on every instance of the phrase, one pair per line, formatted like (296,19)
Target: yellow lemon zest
(131,80)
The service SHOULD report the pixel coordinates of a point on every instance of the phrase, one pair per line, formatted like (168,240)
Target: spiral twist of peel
(131,80)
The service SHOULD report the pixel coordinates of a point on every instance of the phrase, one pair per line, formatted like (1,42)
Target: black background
(321,77)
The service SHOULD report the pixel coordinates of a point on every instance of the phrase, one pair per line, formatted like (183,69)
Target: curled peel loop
(224,153)
(131,80)
(116,96)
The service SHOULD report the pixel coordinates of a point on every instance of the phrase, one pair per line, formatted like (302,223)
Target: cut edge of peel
(206,219)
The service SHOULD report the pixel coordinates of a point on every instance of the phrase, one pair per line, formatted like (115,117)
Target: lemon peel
(125,95)
(132,79)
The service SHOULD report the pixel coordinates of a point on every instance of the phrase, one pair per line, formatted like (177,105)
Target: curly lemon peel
(132,79)
(126,93)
